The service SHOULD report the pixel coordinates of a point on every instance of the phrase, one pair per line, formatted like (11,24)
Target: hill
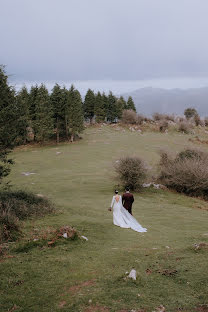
(150,100)
(89,276)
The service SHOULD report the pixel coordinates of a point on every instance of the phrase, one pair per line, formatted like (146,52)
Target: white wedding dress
(122,218)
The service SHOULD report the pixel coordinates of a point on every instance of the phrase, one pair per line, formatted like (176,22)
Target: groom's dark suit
(127,201)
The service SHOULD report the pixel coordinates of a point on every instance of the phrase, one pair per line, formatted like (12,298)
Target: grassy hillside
(89,275)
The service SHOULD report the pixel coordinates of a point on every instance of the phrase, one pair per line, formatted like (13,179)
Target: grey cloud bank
(88,40)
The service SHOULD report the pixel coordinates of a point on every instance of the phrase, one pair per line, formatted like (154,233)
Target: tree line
(40,115)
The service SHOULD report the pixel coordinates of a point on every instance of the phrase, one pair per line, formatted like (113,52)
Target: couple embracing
(122,212)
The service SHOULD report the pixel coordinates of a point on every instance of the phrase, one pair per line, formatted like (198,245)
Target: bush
(190,112)
(129,116)
(140,119)
(131,172)
(159,116)
(198,121)
(19,205)
(206,121)
(163,125)
(187,172)
(184,126)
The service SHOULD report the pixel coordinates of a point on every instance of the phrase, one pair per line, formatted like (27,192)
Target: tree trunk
(72,137)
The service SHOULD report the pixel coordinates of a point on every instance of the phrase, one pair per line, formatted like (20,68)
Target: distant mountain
(150,100)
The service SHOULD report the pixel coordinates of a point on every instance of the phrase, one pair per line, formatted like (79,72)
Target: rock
(65,235)
(84,237)
(132,274)
(161,308)
(27,173)
(156,186)
(57,153)
(146,184)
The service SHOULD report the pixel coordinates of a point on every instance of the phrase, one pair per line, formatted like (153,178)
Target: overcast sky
(69,40)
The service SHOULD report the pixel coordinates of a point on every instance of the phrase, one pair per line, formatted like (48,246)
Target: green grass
(89,275)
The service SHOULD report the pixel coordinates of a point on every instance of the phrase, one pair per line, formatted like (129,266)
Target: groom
(127,200)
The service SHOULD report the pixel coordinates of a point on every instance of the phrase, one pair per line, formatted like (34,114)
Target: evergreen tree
(58,102)
(111,109)
(23,114)
(124,104)
(130,104)
(8,123)
(105,104)
(76,114)
(33,101)
(43,121)
(89,105)
(190,112)
(121,104)
(99,108)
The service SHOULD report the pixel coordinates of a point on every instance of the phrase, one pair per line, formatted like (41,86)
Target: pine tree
(76,114)
(190,112)
(58,102)
(130,104)
(89,105)
(99,108)
(8,123)
(33,101)
(23,114)
(112,109)
(105,104)
(121,104)
(43,121)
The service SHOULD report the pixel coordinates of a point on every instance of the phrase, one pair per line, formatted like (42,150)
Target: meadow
(89,276)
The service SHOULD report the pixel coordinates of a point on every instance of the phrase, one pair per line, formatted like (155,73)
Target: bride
(121,216)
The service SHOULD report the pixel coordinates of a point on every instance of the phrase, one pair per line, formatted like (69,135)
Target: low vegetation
(16,206)
(184,126)
(131,172)
(187,172)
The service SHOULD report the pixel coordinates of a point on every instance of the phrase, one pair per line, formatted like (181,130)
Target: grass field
(88,276)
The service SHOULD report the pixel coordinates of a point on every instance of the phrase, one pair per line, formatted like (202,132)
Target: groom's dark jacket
(127,201)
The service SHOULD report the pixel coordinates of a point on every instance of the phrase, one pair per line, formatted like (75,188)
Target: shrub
(131,172)
(190,112)
(140,119)
(9,226)
(163,125)
(159,116)
(198,121)
(19,205)
(187,172)
(206,121)
(184,126)
(129,116)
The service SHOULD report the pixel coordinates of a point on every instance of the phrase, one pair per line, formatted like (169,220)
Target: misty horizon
(120,86)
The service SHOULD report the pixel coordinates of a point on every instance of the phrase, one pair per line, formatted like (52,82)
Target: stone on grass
(132,274)
(84,237)
(27,173)
(65,235)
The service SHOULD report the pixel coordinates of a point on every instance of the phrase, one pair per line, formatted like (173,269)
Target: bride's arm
(112,203)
